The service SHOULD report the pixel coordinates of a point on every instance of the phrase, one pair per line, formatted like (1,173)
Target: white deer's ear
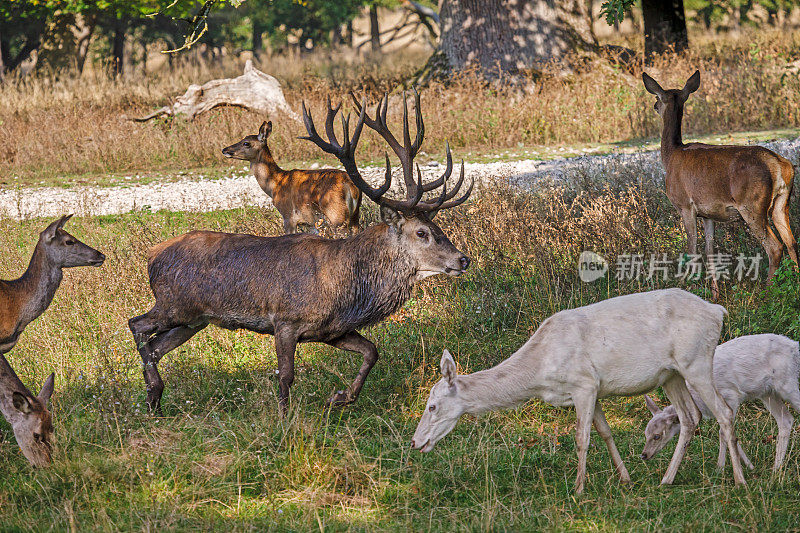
(448,368)
(47,389)
(651,405)
(652,85)
(692,84)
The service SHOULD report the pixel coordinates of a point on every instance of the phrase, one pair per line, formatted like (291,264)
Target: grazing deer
(302,287)
(756,367)
(299,195)
(623,346)
(717,182)
(21,301)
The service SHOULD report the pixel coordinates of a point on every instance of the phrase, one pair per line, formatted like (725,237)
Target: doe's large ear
(264,131)
(392,216)
(47,389)
(652,85)
(21,403)
(692,84)
(448,367)
(651,405)
(50,232)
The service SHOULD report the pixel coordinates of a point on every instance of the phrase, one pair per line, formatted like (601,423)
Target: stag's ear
(393,217)
(448,368)
(21,403)
(47,389)
(264,131)
(692,84)
(652,85)
(651,405)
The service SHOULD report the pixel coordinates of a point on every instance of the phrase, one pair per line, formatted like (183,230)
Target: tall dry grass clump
(52,125)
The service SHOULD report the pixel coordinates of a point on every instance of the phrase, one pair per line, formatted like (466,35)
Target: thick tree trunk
(2,54)
(374,29)
(258,36)
(118,47)
(499,37)
(664,27)
(82,30)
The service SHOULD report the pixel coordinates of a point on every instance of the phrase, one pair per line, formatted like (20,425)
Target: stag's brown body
(299,195)
(302,288)
(21,301)
(721,183)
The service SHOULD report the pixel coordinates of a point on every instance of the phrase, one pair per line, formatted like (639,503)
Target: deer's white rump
(623,346)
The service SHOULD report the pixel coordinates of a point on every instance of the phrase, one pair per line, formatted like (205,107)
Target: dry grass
(52,126)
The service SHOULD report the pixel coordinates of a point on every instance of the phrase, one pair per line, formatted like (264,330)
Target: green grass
(222,458)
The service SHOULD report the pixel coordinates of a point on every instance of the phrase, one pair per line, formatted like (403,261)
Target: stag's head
(66,251)
(445,406)
(661,429)
(250,148)
(410,220)
(33,426)
(672,99)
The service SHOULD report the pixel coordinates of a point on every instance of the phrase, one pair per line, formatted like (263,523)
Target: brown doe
(304,288)
(716,183)
(299,195)
(21,301)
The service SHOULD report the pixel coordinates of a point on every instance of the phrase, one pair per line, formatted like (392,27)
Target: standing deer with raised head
(299,195)
(22,301)
(302,287)
(717,182)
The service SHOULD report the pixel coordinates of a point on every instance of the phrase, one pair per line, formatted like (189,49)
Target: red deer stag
(302,287)
(21,301)
(299,195)
(717,182)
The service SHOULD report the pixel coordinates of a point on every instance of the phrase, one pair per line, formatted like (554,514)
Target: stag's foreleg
(689,218)
(153,341)
(285,347)
(757,222)
(354,342)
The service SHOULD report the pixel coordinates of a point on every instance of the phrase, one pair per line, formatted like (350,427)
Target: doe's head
(670,97)
(661,429)
(251,147)
(33,427)
(65,250)
(443,409)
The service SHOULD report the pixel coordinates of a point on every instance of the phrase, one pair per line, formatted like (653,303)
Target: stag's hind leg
(780,217)
(765,236)
(153,341)
(354,342)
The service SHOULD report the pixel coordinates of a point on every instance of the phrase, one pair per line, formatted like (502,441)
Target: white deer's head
(443,409)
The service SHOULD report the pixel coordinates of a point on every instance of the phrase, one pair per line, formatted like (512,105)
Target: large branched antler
(415,188)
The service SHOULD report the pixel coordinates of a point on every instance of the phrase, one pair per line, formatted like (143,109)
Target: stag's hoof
(340,398)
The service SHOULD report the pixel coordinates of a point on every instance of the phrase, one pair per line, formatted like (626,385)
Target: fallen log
(253,90)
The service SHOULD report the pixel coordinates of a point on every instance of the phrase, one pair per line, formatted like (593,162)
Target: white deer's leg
(602,427)
(785,420)
(723,451)
(584,411)
(689,417)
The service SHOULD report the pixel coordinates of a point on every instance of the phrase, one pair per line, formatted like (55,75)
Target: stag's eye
(432,408)
(656,437)
(69,242)
(37,437)
(422,233)
(247,145)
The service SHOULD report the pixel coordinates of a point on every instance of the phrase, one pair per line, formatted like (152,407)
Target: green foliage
(614,10)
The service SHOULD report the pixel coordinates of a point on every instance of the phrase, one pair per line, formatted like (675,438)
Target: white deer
(623,346)
(756,367)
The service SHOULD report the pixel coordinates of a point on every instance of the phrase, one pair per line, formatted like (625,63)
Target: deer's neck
(9,384)
(497,388)
(35,289)
(267,172)
(671,138)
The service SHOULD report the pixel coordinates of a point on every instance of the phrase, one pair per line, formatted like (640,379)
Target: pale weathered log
(253,90)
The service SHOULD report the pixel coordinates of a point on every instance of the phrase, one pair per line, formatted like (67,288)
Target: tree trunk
(2,54)
(500,37)
(374,29)
(664,27)
(83,29)
(118,47)
(258,36)
(350,37)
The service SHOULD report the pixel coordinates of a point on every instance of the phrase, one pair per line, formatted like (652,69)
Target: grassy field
(56,128)
(222,458)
